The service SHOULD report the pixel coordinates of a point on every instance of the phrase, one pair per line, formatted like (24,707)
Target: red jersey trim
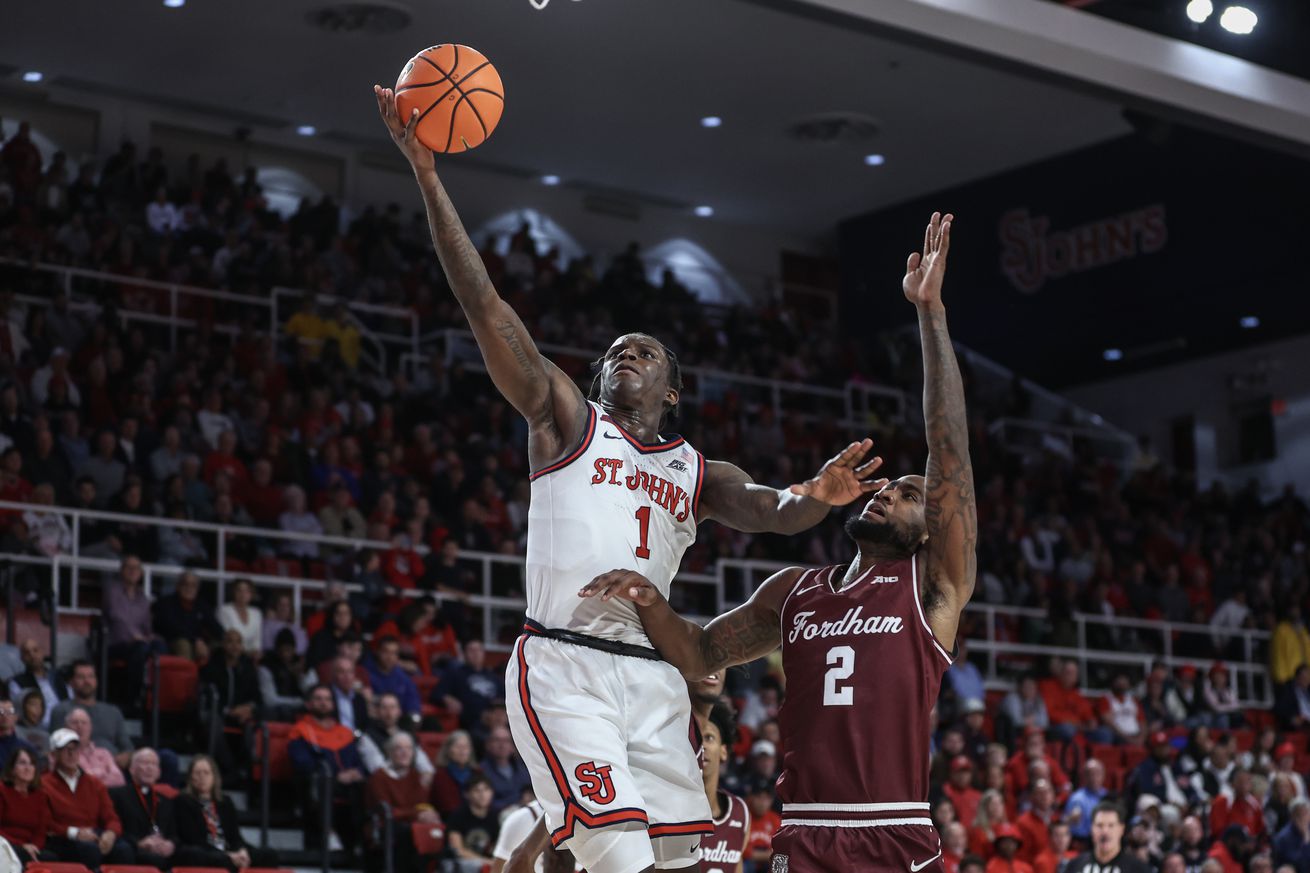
(574,813)
(918,606)
(576,453)
(638,444)
(681,828)
(700,480)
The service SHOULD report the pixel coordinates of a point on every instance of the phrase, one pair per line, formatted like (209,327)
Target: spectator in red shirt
(963,796)
(1034,825)
(24,812)
(1057,849)
(224,458)
(1238,806)
(764,823)
(262,496)
(1066,707)
(955,843)
(84,828)
(1233,848)
(1008,842)
(1034,749)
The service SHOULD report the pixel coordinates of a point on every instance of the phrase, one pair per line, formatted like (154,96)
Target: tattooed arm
(750,631)
(950,512)
(554,407)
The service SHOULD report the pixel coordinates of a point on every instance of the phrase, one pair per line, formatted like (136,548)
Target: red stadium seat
(55,867)
(199,870)
(425,685)
(1245,738)
(429,839)
(178,681)
(1107,754)
(431,742)
(1299,741)
(496,660)
(127,868)
(279,759)
(1132,756)
(262,870)
(1259,719)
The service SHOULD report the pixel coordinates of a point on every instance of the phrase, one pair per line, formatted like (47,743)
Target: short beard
(865,532)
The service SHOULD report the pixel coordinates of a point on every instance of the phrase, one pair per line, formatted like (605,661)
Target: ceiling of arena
(604,93)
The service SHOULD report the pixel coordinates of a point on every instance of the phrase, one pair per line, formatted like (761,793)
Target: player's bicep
(731,497)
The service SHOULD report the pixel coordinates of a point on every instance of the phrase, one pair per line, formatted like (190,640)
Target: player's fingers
(854,452)
(411,125)
(927,238)
(912,262)
(946,235)
(866,470)
(803,489)
(875,485)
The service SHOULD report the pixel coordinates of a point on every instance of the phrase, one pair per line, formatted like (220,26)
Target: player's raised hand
(626,584)
(843,479)
(402,130)
(925,270)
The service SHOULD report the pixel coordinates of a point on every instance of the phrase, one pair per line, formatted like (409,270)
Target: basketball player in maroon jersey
(721,851)
(864,645)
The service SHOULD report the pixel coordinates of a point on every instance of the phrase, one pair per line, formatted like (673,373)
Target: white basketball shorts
(606,739)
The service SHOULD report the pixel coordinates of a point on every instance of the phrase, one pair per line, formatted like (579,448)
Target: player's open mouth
(626,368)
(876,511)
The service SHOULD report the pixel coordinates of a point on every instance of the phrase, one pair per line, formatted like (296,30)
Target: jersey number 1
(841,664)
(643,516)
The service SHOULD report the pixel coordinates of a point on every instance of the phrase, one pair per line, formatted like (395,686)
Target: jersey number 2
(643,516)
(841,664)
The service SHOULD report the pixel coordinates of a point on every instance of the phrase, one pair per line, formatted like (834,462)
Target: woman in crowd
(455,766)
(24,812)
(400,785)
(208,832)
(242,616)
(340,624)
(991,815)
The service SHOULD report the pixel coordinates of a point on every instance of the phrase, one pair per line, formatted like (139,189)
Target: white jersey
(610,504)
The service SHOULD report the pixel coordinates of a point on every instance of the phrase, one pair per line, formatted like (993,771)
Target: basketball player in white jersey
(600,720)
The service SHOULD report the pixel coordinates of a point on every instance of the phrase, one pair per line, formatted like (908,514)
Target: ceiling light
(711,121)
(33,76)
(306,130)
(550,179)
(875,160)
(704,211)
(1200,10)
(1113,354)
(1250,322)
(174,4)
(1238,19)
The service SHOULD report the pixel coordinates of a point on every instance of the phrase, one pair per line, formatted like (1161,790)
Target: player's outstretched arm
(733,498)
(540,391)
(950,511)
(750,631)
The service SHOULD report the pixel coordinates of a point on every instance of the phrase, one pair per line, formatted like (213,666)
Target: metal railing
(853,404)
(1134,642)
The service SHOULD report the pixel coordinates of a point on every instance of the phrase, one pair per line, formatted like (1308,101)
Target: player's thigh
(663,763)
(901,848)
(565,710)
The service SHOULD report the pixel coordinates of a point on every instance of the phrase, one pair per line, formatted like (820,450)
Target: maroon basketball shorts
(824,849)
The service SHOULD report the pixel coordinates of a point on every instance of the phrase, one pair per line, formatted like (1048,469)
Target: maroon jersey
(863,672)
(723,851)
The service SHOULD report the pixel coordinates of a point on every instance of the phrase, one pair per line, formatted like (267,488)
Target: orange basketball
(458,94)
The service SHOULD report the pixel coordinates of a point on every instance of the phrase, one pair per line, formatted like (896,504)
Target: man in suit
(350,695)
(38,675)
(146,815)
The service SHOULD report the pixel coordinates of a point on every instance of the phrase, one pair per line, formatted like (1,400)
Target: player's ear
(671,398)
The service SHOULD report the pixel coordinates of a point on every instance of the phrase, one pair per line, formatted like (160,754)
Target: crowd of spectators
(295,433)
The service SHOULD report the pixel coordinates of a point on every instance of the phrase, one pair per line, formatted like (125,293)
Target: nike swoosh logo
(915,868)
(611,436)
(803,590)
